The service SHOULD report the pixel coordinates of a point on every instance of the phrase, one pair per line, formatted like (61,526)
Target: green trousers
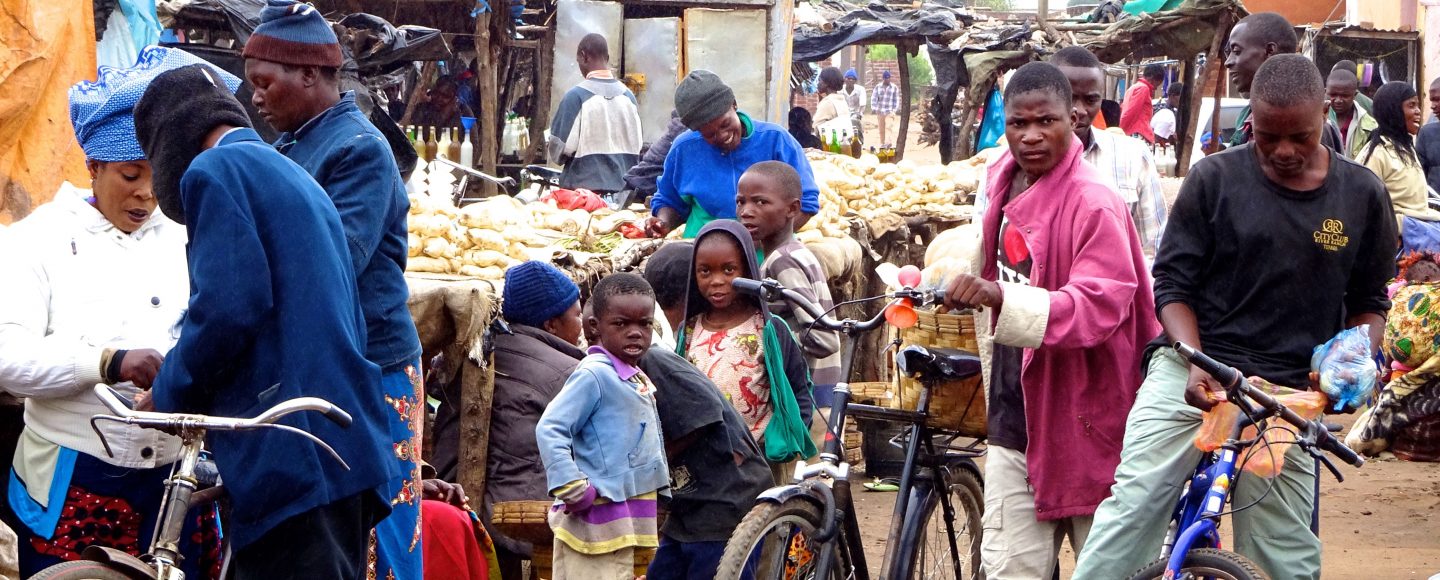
(1159,457)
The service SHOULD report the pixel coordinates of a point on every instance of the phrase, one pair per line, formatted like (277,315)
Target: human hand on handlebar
(968,290)
(1202,391)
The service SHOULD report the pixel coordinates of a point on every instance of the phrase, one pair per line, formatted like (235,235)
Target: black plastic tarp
(377,46)
(876,23)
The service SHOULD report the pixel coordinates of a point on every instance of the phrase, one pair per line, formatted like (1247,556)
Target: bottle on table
(467,152)
(418,140)
(856,148)
(432,147)
(443,146)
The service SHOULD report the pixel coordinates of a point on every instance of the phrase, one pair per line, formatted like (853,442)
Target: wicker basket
(954,406)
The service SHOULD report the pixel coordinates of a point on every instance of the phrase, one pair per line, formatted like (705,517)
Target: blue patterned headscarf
(101,111)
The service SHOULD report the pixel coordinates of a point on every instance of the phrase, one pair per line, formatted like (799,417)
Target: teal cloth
(786,436)
(1138,7)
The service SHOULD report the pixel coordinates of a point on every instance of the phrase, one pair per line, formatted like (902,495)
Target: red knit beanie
(295,34)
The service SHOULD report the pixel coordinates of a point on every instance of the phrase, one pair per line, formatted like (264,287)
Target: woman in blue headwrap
(95,287)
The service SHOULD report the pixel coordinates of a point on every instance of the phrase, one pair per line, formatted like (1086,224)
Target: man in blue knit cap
(273,315)
(292,61)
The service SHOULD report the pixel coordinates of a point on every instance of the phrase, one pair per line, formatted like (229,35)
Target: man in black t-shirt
(1272,248)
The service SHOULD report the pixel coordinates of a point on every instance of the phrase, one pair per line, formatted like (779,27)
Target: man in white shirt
(854,94)
(1164,122)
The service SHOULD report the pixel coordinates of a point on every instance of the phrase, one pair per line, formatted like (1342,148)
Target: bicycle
(809,529)
(183,489)
(1196,551)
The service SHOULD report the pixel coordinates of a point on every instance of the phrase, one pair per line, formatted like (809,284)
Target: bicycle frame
(914,493)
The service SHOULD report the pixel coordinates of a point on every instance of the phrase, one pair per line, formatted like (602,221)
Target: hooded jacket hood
(172,119)
(695,302)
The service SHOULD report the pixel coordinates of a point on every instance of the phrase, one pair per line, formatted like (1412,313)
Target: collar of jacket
(341,107)
(1050,184)
(548,339)
(76,201)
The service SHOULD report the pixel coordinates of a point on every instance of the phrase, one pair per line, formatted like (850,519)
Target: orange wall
(1300,12)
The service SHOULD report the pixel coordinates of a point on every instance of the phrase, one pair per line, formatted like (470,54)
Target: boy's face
(764,209)
(1087,84)
(1038,126)
(717,264)
(625,327)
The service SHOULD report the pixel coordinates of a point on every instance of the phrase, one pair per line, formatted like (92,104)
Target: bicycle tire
(932,554)
(764,518)
(80,570)
(1207,563)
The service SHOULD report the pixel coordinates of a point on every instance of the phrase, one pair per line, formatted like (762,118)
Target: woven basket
(956,405)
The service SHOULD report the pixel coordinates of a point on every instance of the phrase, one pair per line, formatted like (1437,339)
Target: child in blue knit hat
(601,442)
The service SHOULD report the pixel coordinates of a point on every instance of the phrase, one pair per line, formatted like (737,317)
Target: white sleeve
(33,364)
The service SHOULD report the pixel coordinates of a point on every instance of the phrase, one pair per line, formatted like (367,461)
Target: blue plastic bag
(992,127)
(1347,373)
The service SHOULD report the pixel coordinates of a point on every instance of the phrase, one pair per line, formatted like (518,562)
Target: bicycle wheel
(1207,563)
(80,570)
(933,559)
(776,541)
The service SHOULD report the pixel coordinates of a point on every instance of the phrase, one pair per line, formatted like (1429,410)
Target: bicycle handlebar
(170,422)
(768,289)
(1235,383)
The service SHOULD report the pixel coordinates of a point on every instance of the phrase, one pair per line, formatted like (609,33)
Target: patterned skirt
(116,507)
(398,553)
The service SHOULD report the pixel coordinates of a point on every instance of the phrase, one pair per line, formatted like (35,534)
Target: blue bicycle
(1192,544)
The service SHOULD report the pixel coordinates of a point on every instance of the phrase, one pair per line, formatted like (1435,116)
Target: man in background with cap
(854,93)
(885,104)
(596,131)
(273,315)
(702,171)
(292,60)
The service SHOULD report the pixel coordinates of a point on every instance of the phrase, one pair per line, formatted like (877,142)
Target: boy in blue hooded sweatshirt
(746,351)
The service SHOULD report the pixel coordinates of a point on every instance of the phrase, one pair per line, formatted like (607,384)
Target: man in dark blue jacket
(292,61)
(273,315)
(1427,143)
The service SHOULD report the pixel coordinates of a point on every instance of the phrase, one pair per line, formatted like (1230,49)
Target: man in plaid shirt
(885,100)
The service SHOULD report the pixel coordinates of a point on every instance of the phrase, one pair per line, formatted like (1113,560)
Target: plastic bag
(1266,458)
(1347,374)
(1269,462)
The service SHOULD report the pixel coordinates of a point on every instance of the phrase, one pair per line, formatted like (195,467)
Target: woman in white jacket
(95,285)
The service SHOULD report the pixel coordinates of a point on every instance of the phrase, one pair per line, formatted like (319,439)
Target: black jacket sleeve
(1183,257)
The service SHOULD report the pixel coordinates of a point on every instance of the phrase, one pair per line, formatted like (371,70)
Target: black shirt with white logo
(1272,272)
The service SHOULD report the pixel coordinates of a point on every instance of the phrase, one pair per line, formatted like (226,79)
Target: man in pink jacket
(1063,281)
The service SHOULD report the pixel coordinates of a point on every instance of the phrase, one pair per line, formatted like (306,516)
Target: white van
(1229,114)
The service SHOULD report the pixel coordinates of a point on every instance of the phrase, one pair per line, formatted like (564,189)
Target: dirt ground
(1380,523)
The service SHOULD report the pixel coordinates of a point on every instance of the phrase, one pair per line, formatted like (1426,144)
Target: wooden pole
(486,72)
(1043,12)
(902,60)
(540,113)
(1214,66)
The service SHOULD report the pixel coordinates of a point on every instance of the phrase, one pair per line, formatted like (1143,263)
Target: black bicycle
(809,529)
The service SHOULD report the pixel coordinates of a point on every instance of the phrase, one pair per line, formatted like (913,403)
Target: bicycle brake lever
(1326,462)
(316,440)
(101,434)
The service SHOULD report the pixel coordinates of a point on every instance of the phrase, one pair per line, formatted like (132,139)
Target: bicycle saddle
(938,364)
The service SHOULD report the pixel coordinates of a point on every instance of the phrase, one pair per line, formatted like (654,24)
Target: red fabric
(1137,109)
(451,549)
(1080,384)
